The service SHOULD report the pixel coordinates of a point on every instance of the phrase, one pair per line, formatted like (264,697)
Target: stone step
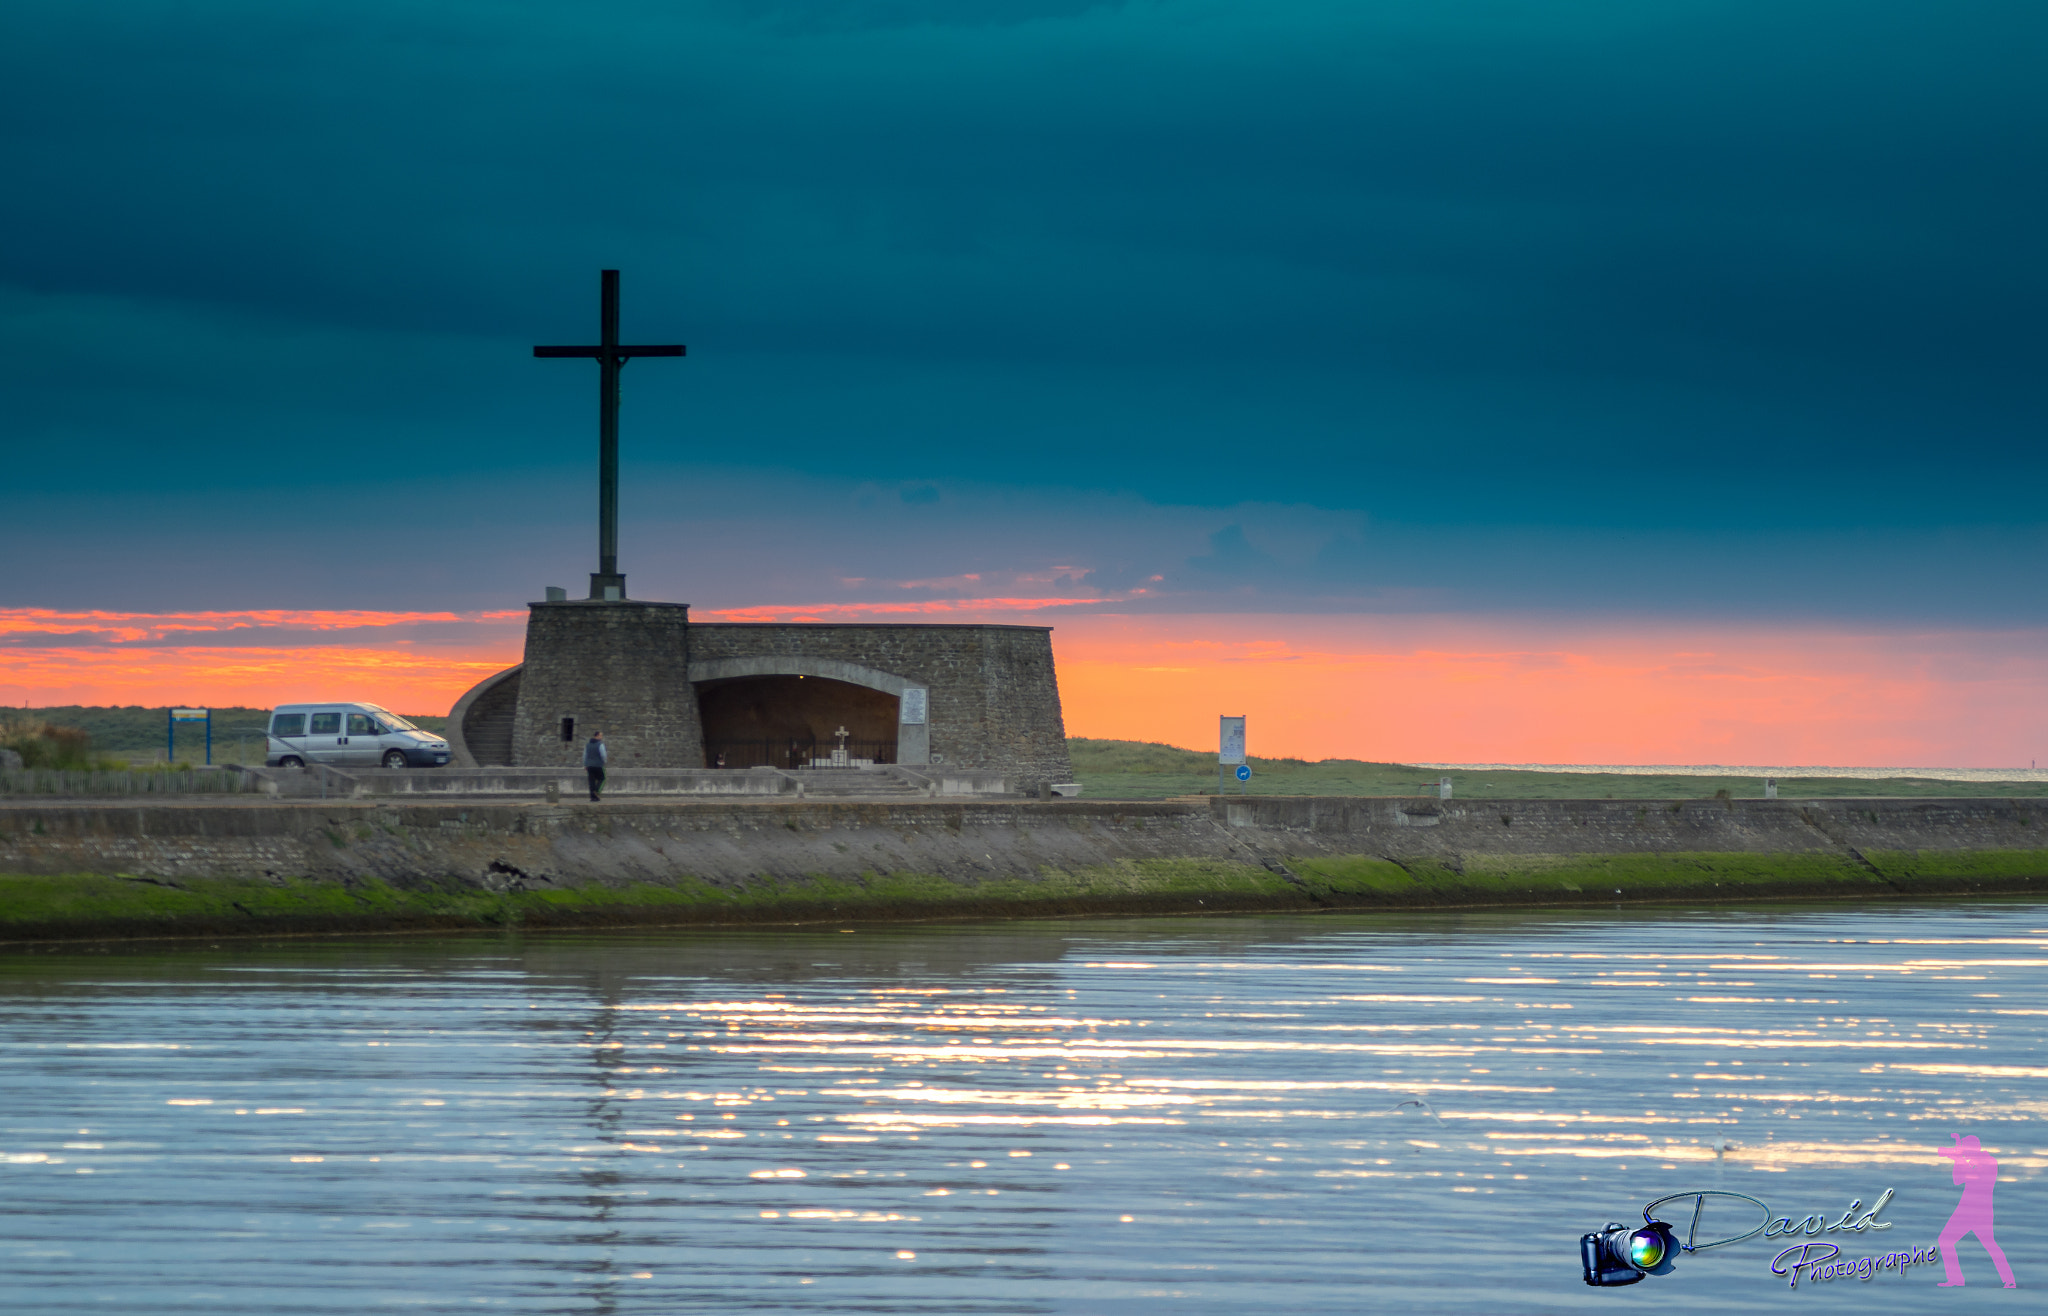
(827,783)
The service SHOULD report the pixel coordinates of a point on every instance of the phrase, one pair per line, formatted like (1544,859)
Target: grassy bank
(1132,770)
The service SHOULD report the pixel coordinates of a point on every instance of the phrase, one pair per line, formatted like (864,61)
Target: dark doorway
(789,721)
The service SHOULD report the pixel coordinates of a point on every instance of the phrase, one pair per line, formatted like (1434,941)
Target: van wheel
(288,761)
(395,759)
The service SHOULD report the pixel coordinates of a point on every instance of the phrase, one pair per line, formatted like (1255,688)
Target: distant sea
(1745,770)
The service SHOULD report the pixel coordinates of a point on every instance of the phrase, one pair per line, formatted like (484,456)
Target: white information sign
(188,715)
(912,706)
(1231,741)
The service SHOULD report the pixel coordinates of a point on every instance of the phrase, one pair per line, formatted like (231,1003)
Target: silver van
(349,735)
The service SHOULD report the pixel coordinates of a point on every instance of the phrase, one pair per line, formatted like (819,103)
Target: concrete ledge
(320,781)
(964,781)
(381,782)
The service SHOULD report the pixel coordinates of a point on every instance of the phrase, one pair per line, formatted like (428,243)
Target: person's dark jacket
(594,753)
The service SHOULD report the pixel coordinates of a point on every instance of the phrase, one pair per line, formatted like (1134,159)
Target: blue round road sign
(1244,772)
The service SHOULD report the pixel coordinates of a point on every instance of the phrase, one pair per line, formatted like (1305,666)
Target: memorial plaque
(912,705)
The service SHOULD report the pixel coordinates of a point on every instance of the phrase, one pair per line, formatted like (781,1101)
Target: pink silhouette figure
(1977,1172)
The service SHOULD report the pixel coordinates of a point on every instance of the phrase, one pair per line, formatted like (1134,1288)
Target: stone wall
(993,696)
(617,667)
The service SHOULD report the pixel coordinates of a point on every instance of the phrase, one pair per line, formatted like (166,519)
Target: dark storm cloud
(1731,267)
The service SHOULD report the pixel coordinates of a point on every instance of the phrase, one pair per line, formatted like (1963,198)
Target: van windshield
(390,719)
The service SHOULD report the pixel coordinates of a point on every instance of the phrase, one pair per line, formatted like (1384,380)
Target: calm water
(1413,1113)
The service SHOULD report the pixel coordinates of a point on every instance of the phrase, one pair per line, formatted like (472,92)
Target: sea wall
(259,866)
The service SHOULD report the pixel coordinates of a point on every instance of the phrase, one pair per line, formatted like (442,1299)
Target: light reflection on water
(1413,1113)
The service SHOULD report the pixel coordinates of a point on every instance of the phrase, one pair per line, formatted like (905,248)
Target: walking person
(594,758)
(1977,1171)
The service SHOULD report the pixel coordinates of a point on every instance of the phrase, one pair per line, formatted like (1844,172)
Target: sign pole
(177,715)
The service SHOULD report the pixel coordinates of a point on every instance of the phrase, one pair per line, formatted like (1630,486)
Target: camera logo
(1619,1255)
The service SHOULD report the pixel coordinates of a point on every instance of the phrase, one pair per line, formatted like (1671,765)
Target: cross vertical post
(608,582)
(608,363)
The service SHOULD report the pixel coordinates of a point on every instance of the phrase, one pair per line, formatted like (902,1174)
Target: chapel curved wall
(480,724)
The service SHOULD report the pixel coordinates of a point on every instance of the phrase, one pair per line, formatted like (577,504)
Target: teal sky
(1717,309)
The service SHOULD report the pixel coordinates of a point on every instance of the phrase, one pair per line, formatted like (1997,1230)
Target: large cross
(607,582)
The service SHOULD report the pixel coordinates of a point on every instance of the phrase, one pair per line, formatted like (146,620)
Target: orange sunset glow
(1404,688)
(417,662)
(1507,690)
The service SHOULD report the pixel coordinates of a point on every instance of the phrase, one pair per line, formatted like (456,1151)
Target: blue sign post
(178,715)
(1244,774)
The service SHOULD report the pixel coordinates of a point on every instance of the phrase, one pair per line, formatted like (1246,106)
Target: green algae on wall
(89,904)
(90,870)
(1526,878)
(34,905)
(1965,864)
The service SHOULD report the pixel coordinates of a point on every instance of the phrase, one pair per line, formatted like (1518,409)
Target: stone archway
(772,700)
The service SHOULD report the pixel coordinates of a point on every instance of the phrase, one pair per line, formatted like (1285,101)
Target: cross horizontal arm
(624,349)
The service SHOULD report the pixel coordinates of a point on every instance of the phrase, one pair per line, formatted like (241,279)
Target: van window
(288,724)
(326,724)
(361,724)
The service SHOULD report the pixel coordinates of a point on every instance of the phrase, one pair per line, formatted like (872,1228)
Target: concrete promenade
(252,865)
